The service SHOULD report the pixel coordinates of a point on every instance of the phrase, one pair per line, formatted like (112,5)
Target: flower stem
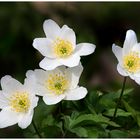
(119,100)
(34,125)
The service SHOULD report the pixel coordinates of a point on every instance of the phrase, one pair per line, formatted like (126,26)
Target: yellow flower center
(132,62)
(20,102)
(56,83)
(62,48)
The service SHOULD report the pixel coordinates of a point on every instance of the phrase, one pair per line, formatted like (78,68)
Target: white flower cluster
(58,81)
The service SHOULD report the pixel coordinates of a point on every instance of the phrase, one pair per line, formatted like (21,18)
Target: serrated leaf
(120,112)
(130,109)
(134,113)
(93,118)
(80,131)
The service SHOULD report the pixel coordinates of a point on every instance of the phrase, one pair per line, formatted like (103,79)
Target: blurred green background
(100,23)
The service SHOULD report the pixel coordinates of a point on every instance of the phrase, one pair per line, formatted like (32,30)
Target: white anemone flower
(58,84)
(129,57)
(59,46)
(17,102)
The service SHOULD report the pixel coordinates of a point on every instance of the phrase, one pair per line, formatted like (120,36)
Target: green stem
(34,125)
(119,100)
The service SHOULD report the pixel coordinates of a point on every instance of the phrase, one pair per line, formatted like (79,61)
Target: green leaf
(134,113)
(126,91)
(107,100)
(130,109)
(90,107)
(49,121)
(118,134)
(91,101)
(51,132)
(93,132)
(88,131)
(80,131)
(120,112)
(88,118)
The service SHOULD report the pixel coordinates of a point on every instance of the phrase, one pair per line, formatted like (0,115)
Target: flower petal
(50,100)
(74,75)
(117,52)
(35,76)
(49,64)
(36,80)
(137,80)
(76,94)
(7,118)
(9,84)
(121,70)
(136,48)
(26,120)
(85,49)
(51,29)
(68,34)
(3,100)
(35,100)
(130,41)
(44,46)
(131,76)
(71,61)
(30,79)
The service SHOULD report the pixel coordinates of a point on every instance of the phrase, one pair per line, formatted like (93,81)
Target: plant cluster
(98,114)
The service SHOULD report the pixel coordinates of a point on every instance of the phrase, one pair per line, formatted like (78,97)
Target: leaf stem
(119,100)
(34,125)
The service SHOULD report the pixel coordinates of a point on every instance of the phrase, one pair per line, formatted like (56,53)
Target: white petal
(3,100)
(36,79)
(30,79)
(137,80)
(137,74)
(9,84)
(117,52)
(49,64)
(35,76)
(74,75)
(85,49)
(76,94)
(26,120)
(68,34)
(130,41)
(54,99)
(71,61)
(136,48)
(44,46)
(34,101)
(7,118)
(121,70)
(51,29)
(30,73)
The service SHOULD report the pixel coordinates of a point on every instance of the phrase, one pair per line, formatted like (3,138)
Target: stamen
(132,62)
(62,48)
(57,83)
(20,102)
